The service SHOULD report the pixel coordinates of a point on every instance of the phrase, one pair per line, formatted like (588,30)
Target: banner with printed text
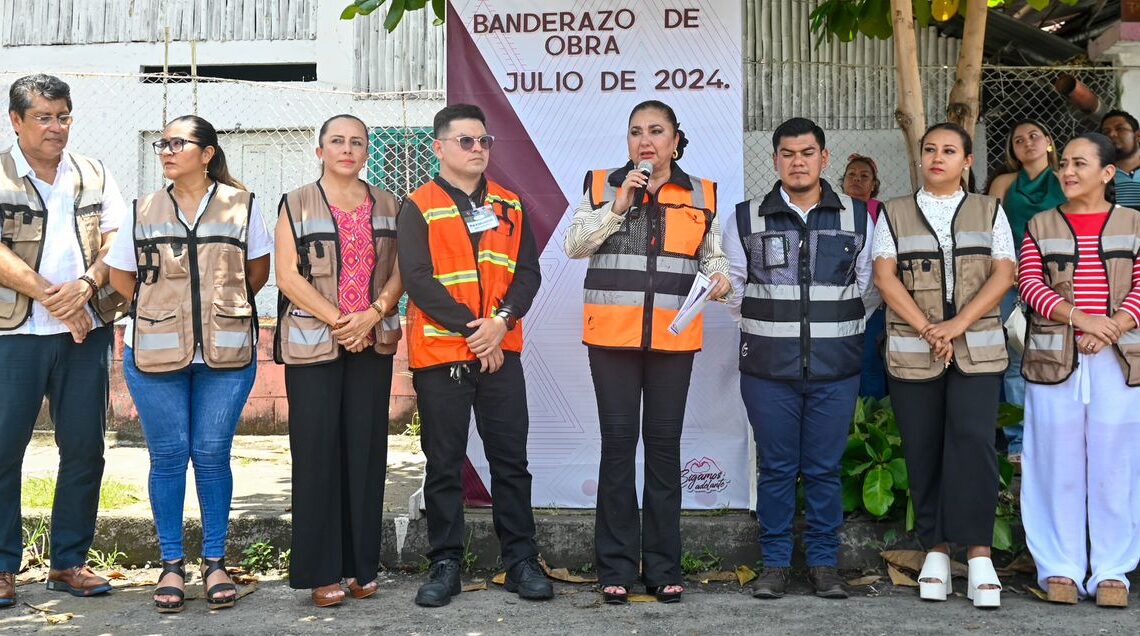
(557,80)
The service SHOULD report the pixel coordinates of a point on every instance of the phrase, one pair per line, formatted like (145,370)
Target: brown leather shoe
(7,589)
(77,581)
(363,591)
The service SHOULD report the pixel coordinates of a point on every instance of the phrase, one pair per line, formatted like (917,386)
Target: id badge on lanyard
(480,219)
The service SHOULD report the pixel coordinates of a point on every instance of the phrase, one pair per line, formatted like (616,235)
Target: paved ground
(272,608)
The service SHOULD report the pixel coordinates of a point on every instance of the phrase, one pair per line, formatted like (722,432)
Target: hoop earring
(676,154)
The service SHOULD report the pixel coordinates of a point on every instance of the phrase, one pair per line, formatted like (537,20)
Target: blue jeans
(74,379)
(800,428)
(189,415)
(873,382)
(1013,383)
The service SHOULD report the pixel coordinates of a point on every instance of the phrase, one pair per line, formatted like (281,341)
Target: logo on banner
(703,475)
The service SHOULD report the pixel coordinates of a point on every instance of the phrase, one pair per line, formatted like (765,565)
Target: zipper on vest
(87,259)
(43,239)
(805,299)
(195,277)
(651,251)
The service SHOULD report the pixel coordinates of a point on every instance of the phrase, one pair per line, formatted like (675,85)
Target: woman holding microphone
(648,228)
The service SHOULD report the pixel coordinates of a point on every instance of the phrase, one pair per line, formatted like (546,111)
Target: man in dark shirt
(470,265)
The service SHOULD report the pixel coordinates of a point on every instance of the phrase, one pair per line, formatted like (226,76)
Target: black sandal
(216,565)
(663,596)
(165,607)
(615,598)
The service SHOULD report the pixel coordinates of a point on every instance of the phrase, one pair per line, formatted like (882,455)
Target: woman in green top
(1029,187)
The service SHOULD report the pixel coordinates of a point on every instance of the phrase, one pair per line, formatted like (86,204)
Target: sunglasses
(467,142)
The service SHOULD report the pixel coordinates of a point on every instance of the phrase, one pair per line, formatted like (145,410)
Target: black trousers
(947,428)
(622,381)
(338,438)
(499,401)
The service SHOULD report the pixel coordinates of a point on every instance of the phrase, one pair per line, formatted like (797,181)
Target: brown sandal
(1111,595)
(1061,592)
(328,595)
(363,591)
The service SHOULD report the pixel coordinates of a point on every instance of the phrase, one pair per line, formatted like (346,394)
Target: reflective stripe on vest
(638,278)
(192,291)
(301,338)
(982,349)
(478,280)
(1050,350)
(783,334)
(23,219)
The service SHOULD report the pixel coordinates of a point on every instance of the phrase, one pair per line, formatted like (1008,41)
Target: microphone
(646,168)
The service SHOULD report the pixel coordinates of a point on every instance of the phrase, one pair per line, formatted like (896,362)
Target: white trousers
(1081,466)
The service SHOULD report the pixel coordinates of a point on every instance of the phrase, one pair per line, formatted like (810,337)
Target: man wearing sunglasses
(59,211)
(470,265)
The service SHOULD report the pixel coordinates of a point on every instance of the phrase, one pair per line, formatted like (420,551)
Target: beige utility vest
(24,219)
(192,289)
(304,339)
(979,351)
(1050,351)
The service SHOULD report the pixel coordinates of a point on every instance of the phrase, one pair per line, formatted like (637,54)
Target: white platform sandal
(982,573)
(936,566)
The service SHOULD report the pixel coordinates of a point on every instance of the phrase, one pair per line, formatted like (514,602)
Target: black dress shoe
(527,578)
(443,583)
(772,583)
(827,582)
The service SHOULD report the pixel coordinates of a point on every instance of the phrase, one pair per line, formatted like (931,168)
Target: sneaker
(527,578)
(826,582)
(772,583)
(443,583)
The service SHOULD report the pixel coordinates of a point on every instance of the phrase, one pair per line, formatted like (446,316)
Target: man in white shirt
(800,266)
(60,212)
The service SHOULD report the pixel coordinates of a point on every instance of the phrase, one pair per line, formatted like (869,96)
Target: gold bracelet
(376,307)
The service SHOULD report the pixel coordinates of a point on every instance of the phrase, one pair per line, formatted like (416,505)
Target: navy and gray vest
(802,313)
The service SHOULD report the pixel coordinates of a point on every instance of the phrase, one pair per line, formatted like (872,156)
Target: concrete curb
(565,538)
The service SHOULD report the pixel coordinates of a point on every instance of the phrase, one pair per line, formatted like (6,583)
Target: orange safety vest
(639,277)
(479,281)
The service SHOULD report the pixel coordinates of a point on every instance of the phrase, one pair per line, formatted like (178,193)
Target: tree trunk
(964,103)
(910,113)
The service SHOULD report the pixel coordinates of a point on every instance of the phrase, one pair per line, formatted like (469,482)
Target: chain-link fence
(855,105)
(268,131)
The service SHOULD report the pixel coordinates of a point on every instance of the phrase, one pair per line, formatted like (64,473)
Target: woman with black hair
(644,256)
(197,254)
(1080,483)
(337,329)
(943,260)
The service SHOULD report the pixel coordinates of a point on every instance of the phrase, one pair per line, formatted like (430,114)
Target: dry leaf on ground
(720,577)
(58,619)
(642,598)
(898,578)
(912,560)
(864,580)
(1023,564)
(116,575)
(500,578)
(745,575)
(564,575)
(1039,593)
(475,586)
(246,590)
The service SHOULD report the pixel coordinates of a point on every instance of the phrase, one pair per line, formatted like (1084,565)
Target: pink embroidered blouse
(357,257)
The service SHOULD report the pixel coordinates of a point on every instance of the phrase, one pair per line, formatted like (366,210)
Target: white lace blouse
(939,212)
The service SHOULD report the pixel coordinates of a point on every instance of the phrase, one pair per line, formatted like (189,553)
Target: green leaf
(395,14)
(856,449)
(860,415)
(1003,533)
(414,5)
(879,446)
(875,19)
(852,495)
(1005,471)
(853,467)
(1010,414)
(439,8)
(1039,5)
(366,7)
(909,513)
(897,466)
(349,12)
(877,494)
(922,12)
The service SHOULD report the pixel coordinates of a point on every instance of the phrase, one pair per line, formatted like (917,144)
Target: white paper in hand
(694,302)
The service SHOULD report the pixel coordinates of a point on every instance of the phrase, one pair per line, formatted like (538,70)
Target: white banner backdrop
(571,72)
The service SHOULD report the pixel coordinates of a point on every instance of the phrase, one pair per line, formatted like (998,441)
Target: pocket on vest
(174,264)
(229,342)
(985,340)
(684,230)
(305,337)
(8,298)
(1047,341)
(835,257)
(905,348)
(158,336)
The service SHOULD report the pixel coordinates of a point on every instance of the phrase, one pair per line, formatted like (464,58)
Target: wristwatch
(507,317)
